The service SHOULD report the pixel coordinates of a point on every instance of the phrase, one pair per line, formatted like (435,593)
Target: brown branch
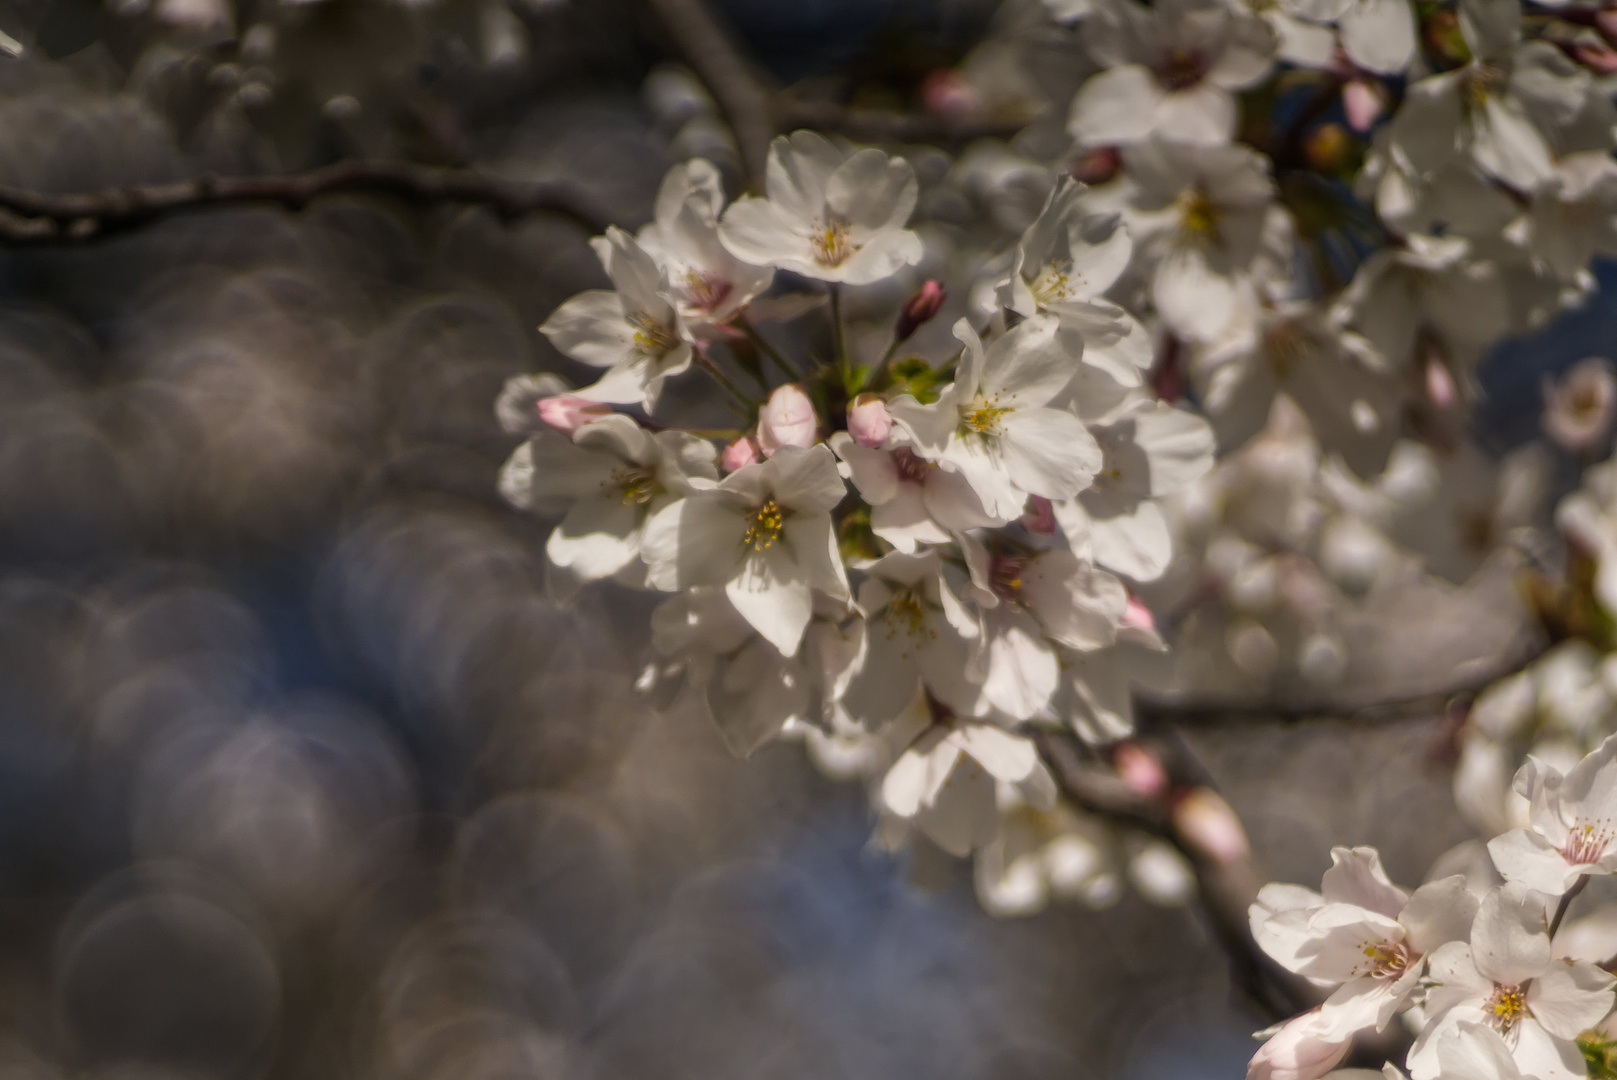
(1225,885)
(42,217)
(757,111)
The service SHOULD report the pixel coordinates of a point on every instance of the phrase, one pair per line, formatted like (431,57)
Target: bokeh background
(301,773)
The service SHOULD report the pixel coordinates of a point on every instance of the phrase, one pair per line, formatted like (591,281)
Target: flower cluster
(1490,989)
(911,567)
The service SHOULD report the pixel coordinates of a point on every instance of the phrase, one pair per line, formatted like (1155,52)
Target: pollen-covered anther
(1506,1006)
(984,416)
(832,244)
(707,290)
(1587,842)
(1385,959)
(1005,576)
(906,613)
(636,485)
(651,338)
(1198,215)
(1055,282)
(764,526)
(1182,68)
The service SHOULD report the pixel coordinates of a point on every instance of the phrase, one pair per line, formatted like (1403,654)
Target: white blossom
(707,283)
(829,215)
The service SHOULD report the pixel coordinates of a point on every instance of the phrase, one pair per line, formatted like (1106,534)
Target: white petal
(771,594)
(1203,115)
(597,538)
(1116,106)
(1570,998)
(1380,35)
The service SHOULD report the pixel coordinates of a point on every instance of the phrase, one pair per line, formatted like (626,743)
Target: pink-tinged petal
(567,413)
(1527,858)
(1509,943)
(1363,102)
(1116,106)
(1296,1052)
(1570,997)
(787,419)
(869,422)
(1356,877)
(739,453)
(1439,912)
(770,593)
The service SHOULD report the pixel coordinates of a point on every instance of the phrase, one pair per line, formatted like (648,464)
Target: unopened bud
(1096,166)
(1363,102)
(919,309)
(869,422)
(567,413)
(1040,516)
(739,454)
(787,419)
(1440,389)
(1210,826)
(1140,769)
(1138,617)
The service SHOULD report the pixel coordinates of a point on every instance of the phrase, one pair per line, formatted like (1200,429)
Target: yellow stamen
(1506,1006)
(831,243)
(636,485)
(651,338)
(764,526)
(983,417)
(1198,215)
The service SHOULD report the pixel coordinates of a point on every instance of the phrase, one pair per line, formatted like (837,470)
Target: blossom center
(1198,215)
(911,468)
(707,290)
(764,526)
(1054,283)
(906,612)
(1587,842)
(1506,1006)
(1005,576)
(832,243)
(1182,68)
(651,337)
(636,484)
(985,416)
(1387,959)
(1484,81)
(1283,346)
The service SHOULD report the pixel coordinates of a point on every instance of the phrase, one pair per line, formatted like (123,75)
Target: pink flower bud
(1440,389)
(1210,826)
(1597,56)
(1606,23)
(946,92)
(739,454)
(869,421)
(567,413)
(1140,769)
(1040,516)
(1096,166)
(1363,101)
(1297,1052)
(919,309)
(787,419)
(1138,617)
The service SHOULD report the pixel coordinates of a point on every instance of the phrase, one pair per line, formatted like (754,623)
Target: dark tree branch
(1225,886)
(757,111)
(41,217)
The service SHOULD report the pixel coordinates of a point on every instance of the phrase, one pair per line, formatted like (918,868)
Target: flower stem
(767,349)
(1566,902)
(837,330)
(706,364)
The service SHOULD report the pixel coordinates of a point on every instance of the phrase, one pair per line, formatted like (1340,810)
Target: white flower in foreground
(1360,934)
(830,215)
(1296,1050)
(1506,979)
(919,637)
(993,424)
(1574,824)
(1377,35)
(1201,213)
(912,501)
(612,475)
(1064,263)
(1149,450)
(751,691)
(1173,70)
(1292,347)
(634,332)
(1484,109)
(944,780)
(1573,217)
(1032,601)
(1476,1052)
(765,534)
(706,282)
(1588,517)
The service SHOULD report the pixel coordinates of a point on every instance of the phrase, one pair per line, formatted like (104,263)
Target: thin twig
(706,364)
(879,125)
(43,217)
(1224,889)
(1566,902)
(747,103)
(767,349)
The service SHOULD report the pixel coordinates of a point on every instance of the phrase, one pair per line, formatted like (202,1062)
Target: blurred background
(302,774)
